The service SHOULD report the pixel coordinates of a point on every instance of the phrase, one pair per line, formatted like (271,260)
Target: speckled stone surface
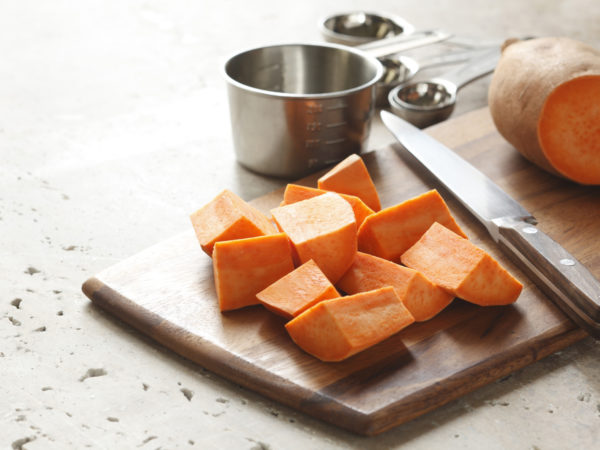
(113,128)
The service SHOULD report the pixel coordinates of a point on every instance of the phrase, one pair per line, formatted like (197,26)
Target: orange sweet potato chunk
(391,231)
(351,177)
(423,298)
(457,265)
(323,229)
(336,329)
(295,193)
(228,217)
(297,291)
(244,267)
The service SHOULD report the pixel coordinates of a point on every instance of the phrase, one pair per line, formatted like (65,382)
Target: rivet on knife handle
(564,279)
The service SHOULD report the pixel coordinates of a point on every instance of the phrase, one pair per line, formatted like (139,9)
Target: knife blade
(554,270)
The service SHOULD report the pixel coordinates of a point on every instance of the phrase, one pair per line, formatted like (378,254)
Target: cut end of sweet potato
(569,129)
(460,267)
(297,291)
(543,98)
(334,330)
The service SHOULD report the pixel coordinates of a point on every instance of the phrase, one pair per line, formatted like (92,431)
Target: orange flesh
(391,231)
(228,217)
(422,297)
(461,268)
(244,267)
(352,177)
(336,329)
(569,129)
(323,229)
(297,291)
(295,193)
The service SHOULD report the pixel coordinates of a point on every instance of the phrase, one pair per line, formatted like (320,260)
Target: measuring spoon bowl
(401,69)
(395,71)
(360,27)
(426,102)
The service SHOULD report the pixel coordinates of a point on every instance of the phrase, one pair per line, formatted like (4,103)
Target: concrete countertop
(113,128)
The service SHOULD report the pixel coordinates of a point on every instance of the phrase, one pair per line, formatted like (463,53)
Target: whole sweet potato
(544,98)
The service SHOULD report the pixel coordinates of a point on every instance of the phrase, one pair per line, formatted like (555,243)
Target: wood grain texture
(569,284)
(167,293)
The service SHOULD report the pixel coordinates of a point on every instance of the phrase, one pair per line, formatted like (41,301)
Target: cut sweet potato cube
(295,193)
(391,231)
(333,330)
(462,268)
(351,177)
(423,298)
(228,217)
(244,267)
(323,229)
(297,291)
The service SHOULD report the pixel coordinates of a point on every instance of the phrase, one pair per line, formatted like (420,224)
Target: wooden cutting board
(167,293)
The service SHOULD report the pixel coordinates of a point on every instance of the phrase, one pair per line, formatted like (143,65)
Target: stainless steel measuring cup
(295,108)
(426,102)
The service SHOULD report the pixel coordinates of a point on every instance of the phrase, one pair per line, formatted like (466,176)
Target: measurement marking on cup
(335,141)
(314,108)
(312,143)
(313,126)
(336,124)
(338,106)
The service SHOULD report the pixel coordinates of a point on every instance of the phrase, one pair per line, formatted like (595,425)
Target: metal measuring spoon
(426,102)
(400,69)
(359,27)
(396,69)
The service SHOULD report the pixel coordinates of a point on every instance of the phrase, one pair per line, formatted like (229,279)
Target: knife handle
(555,271)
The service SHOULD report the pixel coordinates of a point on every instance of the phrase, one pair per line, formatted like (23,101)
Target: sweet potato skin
(526,75)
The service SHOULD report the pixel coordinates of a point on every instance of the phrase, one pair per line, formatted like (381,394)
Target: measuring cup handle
(390,46)
(473,69)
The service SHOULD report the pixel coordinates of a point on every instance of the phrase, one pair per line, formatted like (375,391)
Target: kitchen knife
(554,270)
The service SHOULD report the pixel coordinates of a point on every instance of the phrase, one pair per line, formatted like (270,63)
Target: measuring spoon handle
(450,57)
(390,46)
(474,68)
